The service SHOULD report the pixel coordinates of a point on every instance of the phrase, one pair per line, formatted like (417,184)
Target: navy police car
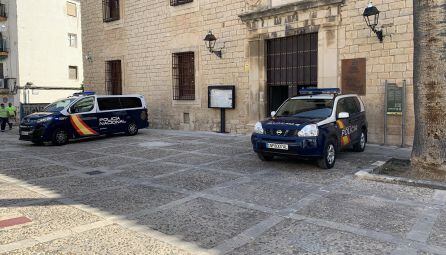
(85,115)
(316,124)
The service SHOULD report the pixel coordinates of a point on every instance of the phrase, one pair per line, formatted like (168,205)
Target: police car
(85,115)
(316,124)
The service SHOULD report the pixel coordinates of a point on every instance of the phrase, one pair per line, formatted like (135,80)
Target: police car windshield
(306,108)
(58,105)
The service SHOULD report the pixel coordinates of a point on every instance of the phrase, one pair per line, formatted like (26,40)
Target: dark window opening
(183,70)
(179,2)
(291,65)
(115,103)
(113,77)
(110,10)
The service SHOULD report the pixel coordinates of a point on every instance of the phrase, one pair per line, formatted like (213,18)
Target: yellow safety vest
(3,113)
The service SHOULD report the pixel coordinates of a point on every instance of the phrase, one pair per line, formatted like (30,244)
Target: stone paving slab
(107,161)
(109,240)
(11,194)
(195,179)
(75,185)
(147,170)
(292,237)
(266,193)
(438,234)
(365,212)
(202,221)
(192,159)
(46,218)
(151,154)
(36,172)
(129,199)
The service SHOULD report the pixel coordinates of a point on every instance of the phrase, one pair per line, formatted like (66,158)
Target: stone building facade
(147,36)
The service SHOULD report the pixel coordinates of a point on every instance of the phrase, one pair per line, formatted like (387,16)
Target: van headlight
(45,119)
(309,130)
(258,129)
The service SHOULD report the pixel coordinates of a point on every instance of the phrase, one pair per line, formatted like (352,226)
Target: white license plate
(277,146)
(24,133)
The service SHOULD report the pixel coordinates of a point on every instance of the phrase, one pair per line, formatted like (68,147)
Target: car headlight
(309,130)
(258,129)
(45,119)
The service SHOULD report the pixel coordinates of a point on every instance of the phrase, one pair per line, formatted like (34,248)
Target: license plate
(24,133)
(277,146)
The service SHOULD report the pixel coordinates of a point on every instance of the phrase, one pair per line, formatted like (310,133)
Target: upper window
(72,72)
(183,71)
(83,105)
(179,2)
(71,9)
(72,40)
(110,10)
(130,102)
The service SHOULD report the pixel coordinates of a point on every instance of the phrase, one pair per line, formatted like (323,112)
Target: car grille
(280,132)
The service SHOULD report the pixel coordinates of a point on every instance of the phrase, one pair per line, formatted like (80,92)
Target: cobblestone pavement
(172,192)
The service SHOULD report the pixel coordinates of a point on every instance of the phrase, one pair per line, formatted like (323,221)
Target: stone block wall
(391,60)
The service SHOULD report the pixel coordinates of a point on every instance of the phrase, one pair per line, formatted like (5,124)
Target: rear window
(130,102)
(116,103)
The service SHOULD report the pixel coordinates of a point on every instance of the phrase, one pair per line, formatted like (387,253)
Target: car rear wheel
(60,137)
(328,159)
(264,157)
(132,129)
(360,146)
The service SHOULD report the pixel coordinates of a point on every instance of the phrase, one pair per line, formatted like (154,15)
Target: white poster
(221,98)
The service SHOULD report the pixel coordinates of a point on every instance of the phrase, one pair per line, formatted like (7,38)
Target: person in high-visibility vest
(3,117)
(12,113)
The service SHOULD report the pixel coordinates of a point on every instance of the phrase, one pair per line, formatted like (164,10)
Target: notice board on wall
(354,76)
(222,97)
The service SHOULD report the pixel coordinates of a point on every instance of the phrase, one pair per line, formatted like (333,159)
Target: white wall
(43,46)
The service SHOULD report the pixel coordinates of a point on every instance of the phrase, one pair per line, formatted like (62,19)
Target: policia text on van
(85,115)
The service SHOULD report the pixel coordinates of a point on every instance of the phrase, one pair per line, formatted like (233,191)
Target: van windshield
(58,105)
(306,108)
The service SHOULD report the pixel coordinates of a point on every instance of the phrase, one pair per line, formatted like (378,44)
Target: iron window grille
(3,10)
(183,74)
(179,2)
(292,61)
(110,10)
(113,77)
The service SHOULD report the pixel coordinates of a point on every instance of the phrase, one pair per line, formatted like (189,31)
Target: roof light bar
(332,91)
(85,93)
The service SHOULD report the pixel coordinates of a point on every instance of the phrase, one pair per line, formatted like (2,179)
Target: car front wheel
(329,156)
(60,137)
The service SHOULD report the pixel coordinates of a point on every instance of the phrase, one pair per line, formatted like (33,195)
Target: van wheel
(60,137)
(264,157)
(329,156)
(132,129)
(360,146)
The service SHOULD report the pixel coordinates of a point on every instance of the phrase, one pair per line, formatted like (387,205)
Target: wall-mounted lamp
(89,57)
(210,40)
(371,17)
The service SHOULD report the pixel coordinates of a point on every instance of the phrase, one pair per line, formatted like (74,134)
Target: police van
(317,124)
(85,115)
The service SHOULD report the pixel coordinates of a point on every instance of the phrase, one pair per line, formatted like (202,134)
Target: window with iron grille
(183,70)
(179,2)
(113,77)
(110,10)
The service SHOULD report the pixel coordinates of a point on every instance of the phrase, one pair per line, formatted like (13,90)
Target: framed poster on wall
(221,97)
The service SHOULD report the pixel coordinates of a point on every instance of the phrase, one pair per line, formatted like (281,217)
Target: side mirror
(343,115)
(273,113)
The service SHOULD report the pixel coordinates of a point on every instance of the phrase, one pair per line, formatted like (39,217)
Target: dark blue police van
(85,115)
(316,124)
